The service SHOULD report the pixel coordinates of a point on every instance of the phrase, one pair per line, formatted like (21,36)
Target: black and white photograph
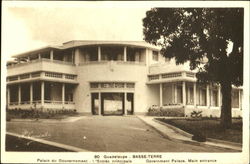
(125,82)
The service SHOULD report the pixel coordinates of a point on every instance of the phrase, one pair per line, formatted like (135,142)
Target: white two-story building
(109,77)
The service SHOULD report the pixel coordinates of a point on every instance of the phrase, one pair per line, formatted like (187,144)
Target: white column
(125,54)
(77,56)
(240,99)
(172,93)
(219,97)
(42,93)
(208,95)
(31,93)
(147,57)
(161,94)
(8,95)
(99,54)
(39,56)
(125,99)
(19,94)
(51,55)
(63,93)
(175,93)
(194,94)
(99,105)
(184,92)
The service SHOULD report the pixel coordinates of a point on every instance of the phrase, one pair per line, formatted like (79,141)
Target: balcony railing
(115,62)
(172,75)
(40,60)
(41,74)
(39,102)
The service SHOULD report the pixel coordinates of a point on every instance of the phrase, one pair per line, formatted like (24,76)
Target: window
(155,56)
(214,97)
(179,94)
(235,98)
(202,97)
(190,95)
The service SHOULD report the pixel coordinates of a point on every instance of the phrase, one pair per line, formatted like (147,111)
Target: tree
(202,36)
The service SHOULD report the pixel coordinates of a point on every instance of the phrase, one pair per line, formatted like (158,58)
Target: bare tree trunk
(226,109)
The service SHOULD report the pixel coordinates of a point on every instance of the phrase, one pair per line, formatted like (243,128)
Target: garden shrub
(161,111)
(196,114)
(35,113)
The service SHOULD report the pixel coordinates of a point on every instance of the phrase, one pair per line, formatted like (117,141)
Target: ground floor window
(172,94)
(214,97)
(202,96)
(13,93)
(36,91)
(179,94)
(190,94)
(235,98)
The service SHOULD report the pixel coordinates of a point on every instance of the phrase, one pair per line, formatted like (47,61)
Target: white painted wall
(112,72)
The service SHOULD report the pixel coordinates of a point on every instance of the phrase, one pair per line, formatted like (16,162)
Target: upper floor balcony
(106,54)
(169,72)
(42,64)
(172,77)
(169,67)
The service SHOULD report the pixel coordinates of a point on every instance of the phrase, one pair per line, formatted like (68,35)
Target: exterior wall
(110,72)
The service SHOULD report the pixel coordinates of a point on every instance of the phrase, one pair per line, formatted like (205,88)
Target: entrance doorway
(112,103)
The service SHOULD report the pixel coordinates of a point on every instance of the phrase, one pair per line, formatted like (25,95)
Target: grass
(22,144)
(209,127)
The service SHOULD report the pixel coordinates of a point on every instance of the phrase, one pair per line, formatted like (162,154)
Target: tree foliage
(200,36)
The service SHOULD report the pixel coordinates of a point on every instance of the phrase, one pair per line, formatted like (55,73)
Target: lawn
(209,127)
(22,144)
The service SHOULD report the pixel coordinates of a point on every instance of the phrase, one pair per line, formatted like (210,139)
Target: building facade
(109,77)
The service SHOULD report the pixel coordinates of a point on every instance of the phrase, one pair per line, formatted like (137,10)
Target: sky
(34,26)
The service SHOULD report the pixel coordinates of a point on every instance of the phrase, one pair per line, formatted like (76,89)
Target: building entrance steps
(174,133)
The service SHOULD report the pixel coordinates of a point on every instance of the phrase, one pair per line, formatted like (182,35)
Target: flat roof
(79,43)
